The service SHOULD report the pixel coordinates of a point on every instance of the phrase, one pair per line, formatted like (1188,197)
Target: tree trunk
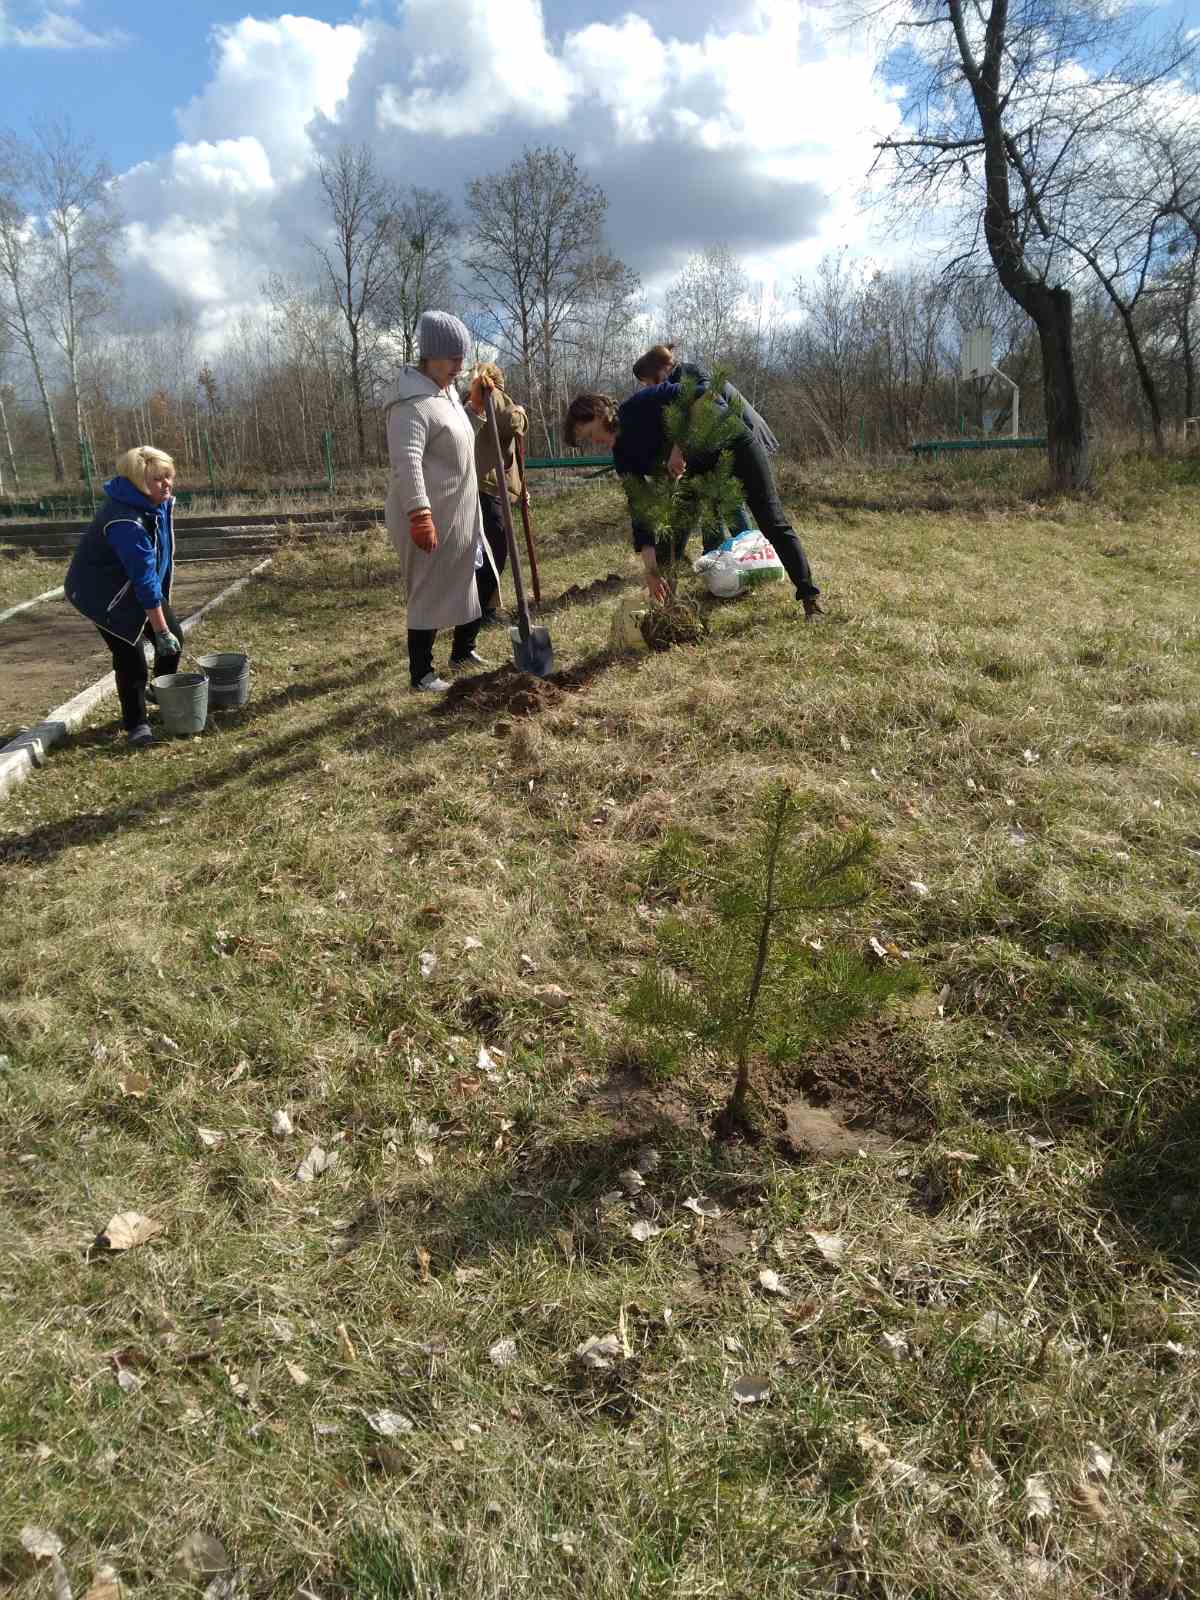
(8,446)
(356,387)
(1066,426)
(51,425)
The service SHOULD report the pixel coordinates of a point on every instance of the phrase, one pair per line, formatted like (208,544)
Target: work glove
(481,385)
(166,644)
(422,530)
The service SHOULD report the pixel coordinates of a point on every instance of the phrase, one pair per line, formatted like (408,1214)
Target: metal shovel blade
(535,654)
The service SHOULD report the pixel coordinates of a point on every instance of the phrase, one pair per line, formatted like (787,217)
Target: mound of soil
(506,692)
(859,1094)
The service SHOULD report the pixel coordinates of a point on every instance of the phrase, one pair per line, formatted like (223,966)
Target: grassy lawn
(23,576)
(367,1384)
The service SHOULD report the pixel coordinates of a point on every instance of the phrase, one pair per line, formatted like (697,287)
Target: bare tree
(76,210)
(704,305)
(536,237)
(421,235)
(1009,101)
(357,263)
(23,278)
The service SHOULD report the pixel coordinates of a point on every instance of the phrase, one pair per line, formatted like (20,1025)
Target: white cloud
(471,65)
(49,28)
(756,135)
(272,78)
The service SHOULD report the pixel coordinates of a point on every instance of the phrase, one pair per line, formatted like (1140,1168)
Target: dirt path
(49,653)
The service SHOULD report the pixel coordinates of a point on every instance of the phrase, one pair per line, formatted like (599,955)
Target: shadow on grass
(367,724)
(567,1184)
(1151,1185)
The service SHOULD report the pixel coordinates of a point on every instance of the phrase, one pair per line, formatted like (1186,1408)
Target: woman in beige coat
(432,509)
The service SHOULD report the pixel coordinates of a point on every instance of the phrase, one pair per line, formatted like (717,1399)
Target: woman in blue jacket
(120,578)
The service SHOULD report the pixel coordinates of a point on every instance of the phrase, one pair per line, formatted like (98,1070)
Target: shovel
(532,650)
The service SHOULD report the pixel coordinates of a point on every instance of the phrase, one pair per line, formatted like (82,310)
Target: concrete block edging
(27,752)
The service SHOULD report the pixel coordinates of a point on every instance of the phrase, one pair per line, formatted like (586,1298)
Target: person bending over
(120,578)
(635,433)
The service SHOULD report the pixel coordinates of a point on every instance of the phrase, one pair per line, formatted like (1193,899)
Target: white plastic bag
(738,564)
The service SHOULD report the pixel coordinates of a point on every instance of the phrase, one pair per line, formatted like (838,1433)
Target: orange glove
(481,384)
(422,530)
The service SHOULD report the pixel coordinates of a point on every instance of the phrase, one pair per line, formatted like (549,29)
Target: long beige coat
(431,446)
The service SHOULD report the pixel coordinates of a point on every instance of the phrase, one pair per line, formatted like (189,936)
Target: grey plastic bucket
(228,674)
(183,701)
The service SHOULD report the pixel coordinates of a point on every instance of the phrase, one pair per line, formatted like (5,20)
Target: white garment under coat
(431,447)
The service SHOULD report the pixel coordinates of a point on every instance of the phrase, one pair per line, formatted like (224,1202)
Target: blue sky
(749,124)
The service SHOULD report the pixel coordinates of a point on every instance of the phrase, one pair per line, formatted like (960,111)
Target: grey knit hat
(441,335)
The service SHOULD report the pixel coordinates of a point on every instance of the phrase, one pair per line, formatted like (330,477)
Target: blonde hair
(136,464)
(487,369)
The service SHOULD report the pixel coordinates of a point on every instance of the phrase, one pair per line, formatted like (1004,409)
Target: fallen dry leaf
(1089,1500)
(40,1543)
(503,1353)
(423,1155)
(565,1241)
(921,890)
(465,1275)
(485,1062)
(297,1374)
(472,943)
(1099,1463)
(703,1205)
(752,1389)
(599,1352)
(127,1230)
(1039,1504)
(896,1472)
(210,1138)
(895,1346)
(647,1160)
(985,1469)
(831,1246)
(106,1585)
(428,963)
(643,1230)
(552,997)
(389,1424)
(281,1124)
(315,1163)
(631,1181)
(422,1258)
(135,1085)
(200,1557)
(770,1282)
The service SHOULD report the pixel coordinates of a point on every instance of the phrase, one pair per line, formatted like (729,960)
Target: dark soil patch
(859,1094)
(582,595)
(507,692)
(633,1107)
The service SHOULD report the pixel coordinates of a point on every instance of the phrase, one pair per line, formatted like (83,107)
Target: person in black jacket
(634,431)
(659,365)
(120,578)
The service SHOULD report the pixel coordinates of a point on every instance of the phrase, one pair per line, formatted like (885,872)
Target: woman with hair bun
(120,578)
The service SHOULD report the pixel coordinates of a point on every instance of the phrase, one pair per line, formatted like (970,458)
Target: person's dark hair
(652,363)
(589,408)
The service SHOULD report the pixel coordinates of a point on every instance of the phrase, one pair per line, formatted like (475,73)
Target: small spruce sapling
(748,983)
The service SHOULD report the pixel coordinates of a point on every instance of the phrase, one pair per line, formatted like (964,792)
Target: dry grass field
(933,1334)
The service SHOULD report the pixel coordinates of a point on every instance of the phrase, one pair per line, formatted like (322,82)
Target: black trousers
(132,674)
(752,468)
(493,532)
(420,647)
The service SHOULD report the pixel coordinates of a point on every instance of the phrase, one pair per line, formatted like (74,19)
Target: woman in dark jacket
(635,433)
(659,365)
(120,578)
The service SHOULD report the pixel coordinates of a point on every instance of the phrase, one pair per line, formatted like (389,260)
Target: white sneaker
(431,684)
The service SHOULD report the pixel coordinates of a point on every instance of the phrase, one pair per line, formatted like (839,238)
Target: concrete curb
(20,756)
(28,605)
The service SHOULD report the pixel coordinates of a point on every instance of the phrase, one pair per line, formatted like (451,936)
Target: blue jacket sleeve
(135,551)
